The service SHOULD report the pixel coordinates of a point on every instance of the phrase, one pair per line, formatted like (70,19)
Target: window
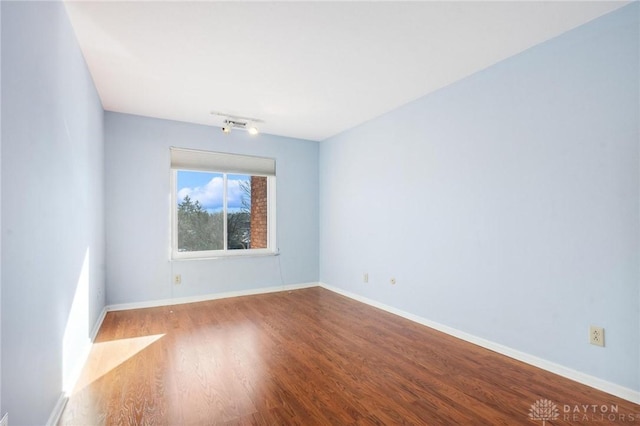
(222,204)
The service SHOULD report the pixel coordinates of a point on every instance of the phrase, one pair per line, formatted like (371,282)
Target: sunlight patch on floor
(106,356)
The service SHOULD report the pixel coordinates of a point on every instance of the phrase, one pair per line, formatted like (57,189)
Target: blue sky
(208,187)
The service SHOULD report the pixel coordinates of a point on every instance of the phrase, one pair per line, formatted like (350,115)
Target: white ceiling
(308,69)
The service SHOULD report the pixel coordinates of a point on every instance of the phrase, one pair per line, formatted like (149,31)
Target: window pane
(246,212)
(200,211)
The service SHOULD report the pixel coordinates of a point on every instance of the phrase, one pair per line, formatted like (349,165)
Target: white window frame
(225,252)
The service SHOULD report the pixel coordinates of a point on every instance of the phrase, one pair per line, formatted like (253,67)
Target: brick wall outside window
(258,212)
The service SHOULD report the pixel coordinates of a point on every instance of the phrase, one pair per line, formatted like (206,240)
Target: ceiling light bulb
(253,130)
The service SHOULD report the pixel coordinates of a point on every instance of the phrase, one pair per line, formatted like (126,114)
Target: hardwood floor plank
(305,357)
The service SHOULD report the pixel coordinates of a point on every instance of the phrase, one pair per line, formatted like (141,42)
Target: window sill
(232,255)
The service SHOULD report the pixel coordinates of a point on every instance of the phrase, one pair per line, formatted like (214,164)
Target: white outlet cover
(596,335)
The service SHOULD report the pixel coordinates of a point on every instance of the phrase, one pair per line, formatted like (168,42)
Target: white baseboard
(98,324)
(206,297)
(585,379)
(73,377)
(54,418)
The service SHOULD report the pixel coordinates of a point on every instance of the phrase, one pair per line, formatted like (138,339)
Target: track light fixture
(236,122)
(233,124)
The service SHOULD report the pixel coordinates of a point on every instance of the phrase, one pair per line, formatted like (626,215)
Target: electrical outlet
(596,335)
(177,279)
(365,277)
(393,281)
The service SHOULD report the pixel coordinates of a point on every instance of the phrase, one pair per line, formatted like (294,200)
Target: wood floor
(308,357)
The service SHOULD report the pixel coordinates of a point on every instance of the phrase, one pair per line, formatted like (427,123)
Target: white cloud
(210,195)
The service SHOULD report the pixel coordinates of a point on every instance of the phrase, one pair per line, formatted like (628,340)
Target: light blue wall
(506,205)
(52,207)
(138,212)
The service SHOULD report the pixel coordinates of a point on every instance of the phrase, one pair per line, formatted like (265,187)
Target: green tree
(198,229)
